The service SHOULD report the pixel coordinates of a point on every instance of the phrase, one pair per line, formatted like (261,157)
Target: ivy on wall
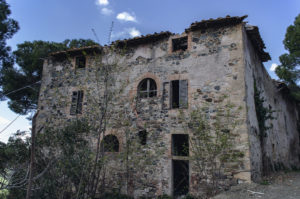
(262,113)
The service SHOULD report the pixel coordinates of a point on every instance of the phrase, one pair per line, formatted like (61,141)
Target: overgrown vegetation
(14,161)
(263,113)
(212,130)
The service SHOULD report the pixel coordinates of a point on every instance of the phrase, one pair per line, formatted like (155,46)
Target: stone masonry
(177,72)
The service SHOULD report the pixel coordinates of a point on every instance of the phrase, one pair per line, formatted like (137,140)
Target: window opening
(147,88)
(180,145)
(76,104)
(110,143)
(80,62)
(180,177)
(175,94)
(143,137)
(179,94)
(180,44)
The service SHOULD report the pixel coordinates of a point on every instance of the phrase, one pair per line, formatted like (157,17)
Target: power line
(28,86)
(10,124)
(110,32)
(96,36)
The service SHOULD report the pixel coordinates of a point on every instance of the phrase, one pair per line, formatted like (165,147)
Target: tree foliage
(289,70)
(8,27)
(14,160)
(29,58)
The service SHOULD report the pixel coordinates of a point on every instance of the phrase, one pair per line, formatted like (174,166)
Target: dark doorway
(180,177)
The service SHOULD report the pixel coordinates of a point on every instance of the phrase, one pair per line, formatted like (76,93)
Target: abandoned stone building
(167,74)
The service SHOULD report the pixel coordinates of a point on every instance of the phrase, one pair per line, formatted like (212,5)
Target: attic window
(80,61)
(76,104)
(180,44)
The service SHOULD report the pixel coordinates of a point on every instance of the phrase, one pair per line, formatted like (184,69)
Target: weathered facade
(170,73)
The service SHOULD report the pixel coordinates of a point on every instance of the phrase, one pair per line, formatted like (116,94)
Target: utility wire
(96,36)
(110,32)
(14,91)
(10,124)
(28,86)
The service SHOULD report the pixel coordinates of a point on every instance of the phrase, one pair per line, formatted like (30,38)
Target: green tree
(14,159)
(8,27)
(289,70)
(30,57)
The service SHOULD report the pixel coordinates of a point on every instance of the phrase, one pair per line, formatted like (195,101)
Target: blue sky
(57,20)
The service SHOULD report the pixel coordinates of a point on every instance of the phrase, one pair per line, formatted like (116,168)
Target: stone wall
(218,61)
(279,148)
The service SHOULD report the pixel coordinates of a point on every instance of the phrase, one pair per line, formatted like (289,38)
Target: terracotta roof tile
(142,39)
(257,42)
(221,21)
(73,51)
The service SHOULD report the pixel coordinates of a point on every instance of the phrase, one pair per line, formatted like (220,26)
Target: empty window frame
(179,94)
(180,44)
(180,145)
(147,88)
(110,143)
(143,137)
(80,61)
(76,104)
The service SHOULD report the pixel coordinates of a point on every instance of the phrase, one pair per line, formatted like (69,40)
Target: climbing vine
(262,113)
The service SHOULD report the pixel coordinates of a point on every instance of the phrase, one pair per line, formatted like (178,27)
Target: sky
(57,20)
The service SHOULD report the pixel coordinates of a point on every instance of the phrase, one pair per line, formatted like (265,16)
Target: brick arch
(117,135)
(133,91)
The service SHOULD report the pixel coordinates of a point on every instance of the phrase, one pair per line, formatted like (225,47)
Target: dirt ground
(278,186)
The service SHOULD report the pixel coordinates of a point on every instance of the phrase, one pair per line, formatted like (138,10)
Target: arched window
(147,88)
(110,143)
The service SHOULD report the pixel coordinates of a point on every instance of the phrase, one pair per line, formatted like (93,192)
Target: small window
(147,88)
(110,143)
(143,137)
(179,94)
(180,144)
(76,105)
(80,62)
(180,44)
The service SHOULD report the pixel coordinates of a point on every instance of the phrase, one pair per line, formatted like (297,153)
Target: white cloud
(273,67)
(133,32)
(102,2)
(4,121)
(125,16)
(127,32)
(107,11)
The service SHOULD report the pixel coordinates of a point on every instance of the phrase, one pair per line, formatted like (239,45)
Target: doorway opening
(180,177)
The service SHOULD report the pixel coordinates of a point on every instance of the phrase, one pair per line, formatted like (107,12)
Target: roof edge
(75,51)
(257,42)
(210,23)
